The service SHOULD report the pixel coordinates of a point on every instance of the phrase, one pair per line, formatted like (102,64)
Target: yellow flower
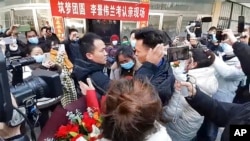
(96,116)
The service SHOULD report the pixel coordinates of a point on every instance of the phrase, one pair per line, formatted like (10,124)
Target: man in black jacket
(158,70)
(72,46)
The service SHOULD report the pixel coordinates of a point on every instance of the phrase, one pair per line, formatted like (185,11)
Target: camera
(42,83)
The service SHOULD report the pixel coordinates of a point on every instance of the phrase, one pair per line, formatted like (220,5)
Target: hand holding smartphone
(219,36)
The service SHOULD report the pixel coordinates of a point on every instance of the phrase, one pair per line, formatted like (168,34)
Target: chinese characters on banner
(59,27)
(144,23)
(99,9)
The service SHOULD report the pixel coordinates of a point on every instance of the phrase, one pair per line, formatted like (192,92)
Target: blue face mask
(128,65)
(214,38)
(33,40)
(39,58)
(133,42)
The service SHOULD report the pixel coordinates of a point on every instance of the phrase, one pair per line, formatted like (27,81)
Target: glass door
(155,20)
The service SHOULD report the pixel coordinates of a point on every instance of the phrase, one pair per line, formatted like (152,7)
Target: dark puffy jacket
(73,50)
(84,69)
(221,113)
(161,77)
(21,51)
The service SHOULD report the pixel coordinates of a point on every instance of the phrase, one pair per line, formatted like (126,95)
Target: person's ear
(194,65)
(89,56)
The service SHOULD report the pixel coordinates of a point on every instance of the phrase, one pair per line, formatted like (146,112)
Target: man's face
(141,51)
(99,55)
(212,32)
(43,32)
(132,36)
(73,36)
(193,42)
(31,34)
(48,32)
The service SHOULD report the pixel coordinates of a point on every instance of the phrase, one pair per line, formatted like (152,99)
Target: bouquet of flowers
(81,127)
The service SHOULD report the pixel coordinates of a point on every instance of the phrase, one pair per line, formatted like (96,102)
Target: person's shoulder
(160,134)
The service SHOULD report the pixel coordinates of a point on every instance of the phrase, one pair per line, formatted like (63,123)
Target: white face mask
(13,47)
(115,42)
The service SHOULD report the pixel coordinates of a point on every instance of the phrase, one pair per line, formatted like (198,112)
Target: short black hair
(87,43)
(201,58)
(212,28)
(44,28)
(31,47)
(127,51)
(151,37)
(125,37)
(32,30)
(72,30)
(133,31)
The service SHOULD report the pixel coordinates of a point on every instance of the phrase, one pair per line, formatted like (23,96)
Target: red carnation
(88,122)
(64,130)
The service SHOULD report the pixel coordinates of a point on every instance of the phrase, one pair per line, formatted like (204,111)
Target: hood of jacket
(160,135)
(205,79)
(84,68)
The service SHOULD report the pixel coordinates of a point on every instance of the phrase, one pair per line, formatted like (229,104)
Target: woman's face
(123,59)
(190,64)
(36,51)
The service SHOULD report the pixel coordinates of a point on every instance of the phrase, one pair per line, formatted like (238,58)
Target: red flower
(64,130)
(88,122)
(76,137)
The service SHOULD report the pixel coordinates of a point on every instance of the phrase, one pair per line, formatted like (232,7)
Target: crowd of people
(146,97)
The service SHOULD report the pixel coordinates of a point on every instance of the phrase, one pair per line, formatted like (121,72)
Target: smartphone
(219,36)
(241,24)
(61,48)
(46,57)
(8,40)
(178,53)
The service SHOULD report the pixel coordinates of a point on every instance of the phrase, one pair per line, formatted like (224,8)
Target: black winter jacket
(161,77)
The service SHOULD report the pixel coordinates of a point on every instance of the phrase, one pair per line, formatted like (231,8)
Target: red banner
(59,27)
(98,9)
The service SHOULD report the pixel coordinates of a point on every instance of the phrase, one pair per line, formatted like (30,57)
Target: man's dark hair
(32,30)
(87,43)
(151,37)
(133,31)
(212,28)
(44,28)
(125,37)
(72,30)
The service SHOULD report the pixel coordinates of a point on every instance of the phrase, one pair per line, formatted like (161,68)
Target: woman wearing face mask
(182,121)
(125,64)
(132,39)
(111,50)
(16,48)
(44,104)
(37,53)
